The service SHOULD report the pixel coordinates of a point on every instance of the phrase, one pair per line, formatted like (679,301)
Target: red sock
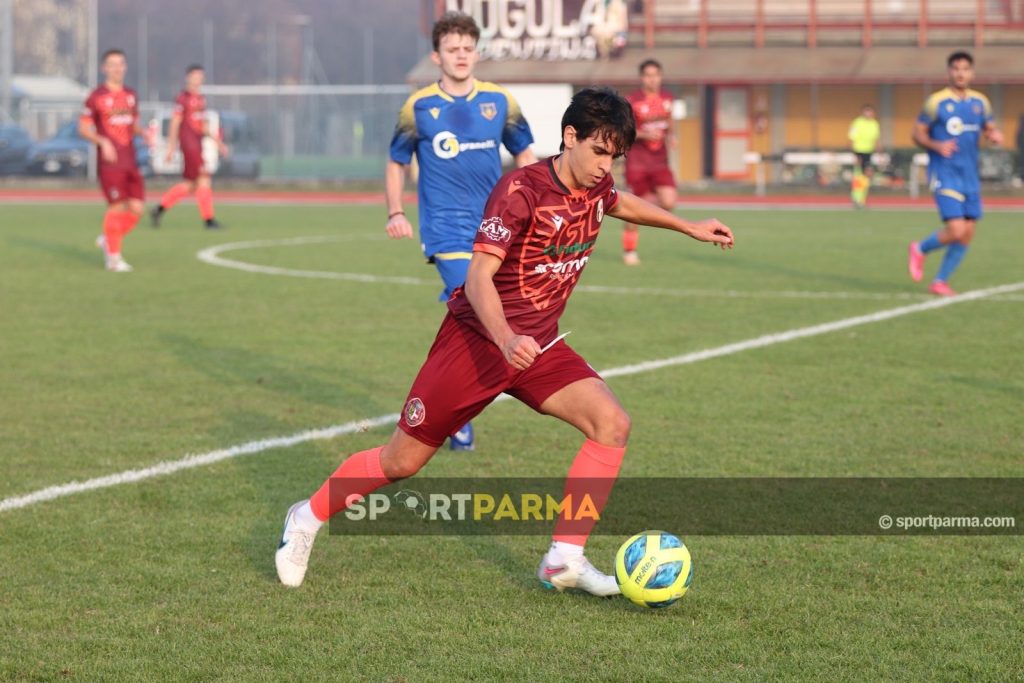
(204,197)
(358,475)
(128,221)
(112,220)
(630,240)
(592,473)
(174,195)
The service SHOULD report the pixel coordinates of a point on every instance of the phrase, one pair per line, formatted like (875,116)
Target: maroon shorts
(642,179)
(119,184)
(464,372)
(193,158)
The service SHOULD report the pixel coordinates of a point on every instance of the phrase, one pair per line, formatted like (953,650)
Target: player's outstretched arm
(398,226)
(173,131)
(633,209)
(519,350)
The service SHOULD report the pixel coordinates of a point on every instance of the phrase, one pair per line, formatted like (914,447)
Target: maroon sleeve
(509,212)
(89,109)
(179,105)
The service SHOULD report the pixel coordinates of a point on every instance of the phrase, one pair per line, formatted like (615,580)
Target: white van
(160,126)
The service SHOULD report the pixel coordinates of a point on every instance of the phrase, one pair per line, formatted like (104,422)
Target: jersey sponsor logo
(121,119)
(494,229)
(562,267)
(956,126)
(447,146)
(563,249)
(415,412)
(488,110)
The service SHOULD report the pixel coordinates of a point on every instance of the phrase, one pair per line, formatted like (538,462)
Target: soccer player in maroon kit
(110,121)
(647,171)
(188,128)
(501,335)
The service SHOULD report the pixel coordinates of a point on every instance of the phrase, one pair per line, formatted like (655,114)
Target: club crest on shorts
(494,229)
(415,412)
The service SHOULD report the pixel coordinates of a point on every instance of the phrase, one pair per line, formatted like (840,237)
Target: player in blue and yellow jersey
(950,127)
(455,128)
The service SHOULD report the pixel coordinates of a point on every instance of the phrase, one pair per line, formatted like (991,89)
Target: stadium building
(765,76)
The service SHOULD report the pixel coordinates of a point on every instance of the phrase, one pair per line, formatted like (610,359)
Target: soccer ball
(653,569)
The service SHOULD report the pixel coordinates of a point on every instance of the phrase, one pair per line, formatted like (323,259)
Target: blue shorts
(956,204)
(452,268)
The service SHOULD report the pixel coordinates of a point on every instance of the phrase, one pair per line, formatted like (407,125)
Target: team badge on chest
(488,110)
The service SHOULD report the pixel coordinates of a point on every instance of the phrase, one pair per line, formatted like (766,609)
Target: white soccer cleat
(116,264)
(576,573)
(292,555)
(631,258)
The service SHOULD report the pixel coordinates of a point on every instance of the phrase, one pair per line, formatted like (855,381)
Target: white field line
(251,447)
(213,256)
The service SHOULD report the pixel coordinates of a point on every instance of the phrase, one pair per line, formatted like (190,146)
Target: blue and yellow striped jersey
(948,117)
(456,142)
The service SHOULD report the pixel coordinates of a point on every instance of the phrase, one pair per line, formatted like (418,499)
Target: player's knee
(395,468)
(613,428)
(136,207)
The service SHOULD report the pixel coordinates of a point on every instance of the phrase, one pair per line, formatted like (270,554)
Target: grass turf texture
(173,579)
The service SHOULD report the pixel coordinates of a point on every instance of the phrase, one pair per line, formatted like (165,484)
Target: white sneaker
(631,258)
(292,555)
(576,573)
(117,264)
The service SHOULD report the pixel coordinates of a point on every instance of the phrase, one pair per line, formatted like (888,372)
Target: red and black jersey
(544,233)
(114,114)
(191,109)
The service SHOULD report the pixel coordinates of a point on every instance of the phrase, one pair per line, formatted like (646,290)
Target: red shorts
(642,179)
(464,372)
(119,184)
(193,158)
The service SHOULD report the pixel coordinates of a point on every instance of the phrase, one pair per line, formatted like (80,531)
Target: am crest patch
(494,229)
(415,412)
(488,110)
(600,209)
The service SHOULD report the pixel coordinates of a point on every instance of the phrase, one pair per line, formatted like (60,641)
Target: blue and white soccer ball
(653,569)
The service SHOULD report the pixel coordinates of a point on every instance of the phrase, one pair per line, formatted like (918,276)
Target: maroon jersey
(544,233)
(652,113)
(191,108)
(114,114)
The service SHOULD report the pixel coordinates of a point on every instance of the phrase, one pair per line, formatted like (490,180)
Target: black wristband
(396,213)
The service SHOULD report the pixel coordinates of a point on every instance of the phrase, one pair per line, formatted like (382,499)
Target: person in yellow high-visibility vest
(864,134)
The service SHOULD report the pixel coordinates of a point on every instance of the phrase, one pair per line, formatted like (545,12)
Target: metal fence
(297,132)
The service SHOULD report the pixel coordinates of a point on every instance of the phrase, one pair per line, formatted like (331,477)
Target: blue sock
(954,255)
(930,243)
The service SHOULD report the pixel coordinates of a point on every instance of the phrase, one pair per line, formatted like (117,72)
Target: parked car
(240,137)
(15,144)
(233,127)
(67,154)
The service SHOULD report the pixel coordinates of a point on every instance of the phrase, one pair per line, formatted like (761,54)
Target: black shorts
(863,161)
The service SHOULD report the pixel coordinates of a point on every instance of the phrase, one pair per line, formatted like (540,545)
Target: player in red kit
(110,121)
(188,128)
(647,171)
(501,335)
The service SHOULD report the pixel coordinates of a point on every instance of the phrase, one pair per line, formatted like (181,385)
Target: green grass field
(172,578)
